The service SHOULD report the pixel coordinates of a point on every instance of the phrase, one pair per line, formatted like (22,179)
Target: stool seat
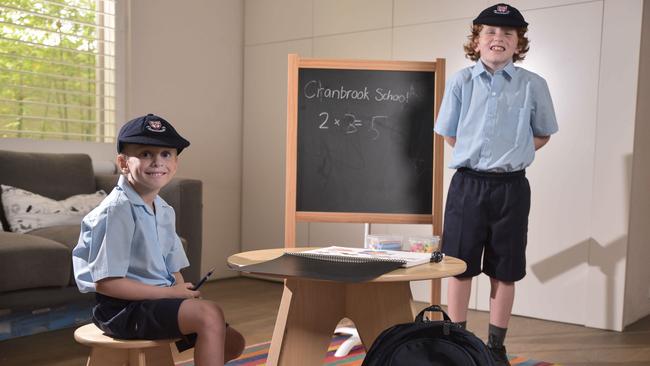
(108,351)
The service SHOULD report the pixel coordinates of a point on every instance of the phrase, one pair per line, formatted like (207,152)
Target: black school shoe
(499,356)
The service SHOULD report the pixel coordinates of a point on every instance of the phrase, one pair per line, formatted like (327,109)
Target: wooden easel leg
(436,293)
(314,309)
(376,306)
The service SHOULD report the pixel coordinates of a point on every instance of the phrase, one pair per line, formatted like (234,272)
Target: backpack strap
(433,308)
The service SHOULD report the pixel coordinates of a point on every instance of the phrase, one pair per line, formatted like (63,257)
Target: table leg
(308,314)
(375,306)
(280,326)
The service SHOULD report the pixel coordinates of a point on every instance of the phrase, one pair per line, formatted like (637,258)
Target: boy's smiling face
(148,168)
(496,46)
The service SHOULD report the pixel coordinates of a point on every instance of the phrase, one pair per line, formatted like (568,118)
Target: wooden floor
(251,305)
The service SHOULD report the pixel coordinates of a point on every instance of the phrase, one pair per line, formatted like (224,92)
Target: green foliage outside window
(57,69)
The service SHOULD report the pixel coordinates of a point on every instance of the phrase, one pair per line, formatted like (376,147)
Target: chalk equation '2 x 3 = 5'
(349,122)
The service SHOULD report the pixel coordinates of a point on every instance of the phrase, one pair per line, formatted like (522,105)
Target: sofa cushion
(55,176)
(29,261)
(46,297)
(67,235)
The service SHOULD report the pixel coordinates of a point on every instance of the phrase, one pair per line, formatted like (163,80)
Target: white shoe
(349,343)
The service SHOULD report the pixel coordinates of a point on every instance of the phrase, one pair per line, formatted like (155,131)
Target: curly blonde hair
(470,47)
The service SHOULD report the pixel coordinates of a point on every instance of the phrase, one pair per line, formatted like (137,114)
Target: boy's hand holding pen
(183,291)
(202,281)
(187,290)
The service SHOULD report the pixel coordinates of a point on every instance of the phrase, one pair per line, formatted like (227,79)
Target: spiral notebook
(339,264)
(363,255)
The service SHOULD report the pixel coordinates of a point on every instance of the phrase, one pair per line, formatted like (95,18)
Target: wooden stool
(108,351)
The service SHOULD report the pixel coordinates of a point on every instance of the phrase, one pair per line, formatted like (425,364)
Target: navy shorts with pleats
(147,319)
(486,223)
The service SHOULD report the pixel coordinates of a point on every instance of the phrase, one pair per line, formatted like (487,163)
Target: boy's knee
(212,316)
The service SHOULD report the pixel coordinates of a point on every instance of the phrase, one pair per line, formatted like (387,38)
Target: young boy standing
(130,255)
(495,116)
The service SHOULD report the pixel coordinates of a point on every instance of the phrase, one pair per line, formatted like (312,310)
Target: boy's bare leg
(205,318)
(458,292)
(502,296)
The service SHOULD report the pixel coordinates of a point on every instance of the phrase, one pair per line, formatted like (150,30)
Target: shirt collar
(478,69)
(135,198)
(509,70)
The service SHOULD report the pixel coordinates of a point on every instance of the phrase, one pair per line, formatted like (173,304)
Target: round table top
(449,266)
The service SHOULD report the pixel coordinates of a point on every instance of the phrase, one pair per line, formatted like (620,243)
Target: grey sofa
(36,267)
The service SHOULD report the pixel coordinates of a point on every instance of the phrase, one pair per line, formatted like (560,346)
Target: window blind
(57,69)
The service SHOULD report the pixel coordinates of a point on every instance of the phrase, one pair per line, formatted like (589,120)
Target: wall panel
(345,16)
(265,111)
(277,20)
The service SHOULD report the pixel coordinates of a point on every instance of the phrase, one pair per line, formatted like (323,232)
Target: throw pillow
(27,211)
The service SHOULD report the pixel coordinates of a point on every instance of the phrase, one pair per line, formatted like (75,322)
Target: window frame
(106,125)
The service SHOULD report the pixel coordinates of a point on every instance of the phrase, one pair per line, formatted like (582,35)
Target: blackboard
(365,141)
(360,142)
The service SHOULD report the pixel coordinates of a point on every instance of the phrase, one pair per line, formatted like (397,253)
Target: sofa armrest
(186,197)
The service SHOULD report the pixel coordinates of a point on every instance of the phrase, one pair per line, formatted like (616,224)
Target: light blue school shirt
(122,237)
(494,117)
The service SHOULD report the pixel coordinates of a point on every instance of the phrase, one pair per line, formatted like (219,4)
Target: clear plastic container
(422,244)
(384,242)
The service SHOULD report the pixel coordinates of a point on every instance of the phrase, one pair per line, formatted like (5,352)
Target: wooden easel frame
(292,216)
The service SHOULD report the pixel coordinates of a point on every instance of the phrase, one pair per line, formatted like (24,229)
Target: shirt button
(494,94)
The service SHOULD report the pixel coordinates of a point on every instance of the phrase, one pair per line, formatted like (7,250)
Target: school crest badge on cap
(155,126)
(501,9)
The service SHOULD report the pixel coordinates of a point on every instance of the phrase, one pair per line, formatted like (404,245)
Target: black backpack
(430,343)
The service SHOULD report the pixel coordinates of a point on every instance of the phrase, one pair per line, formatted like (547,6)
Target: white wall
(578,235)
(637,285)
(614,146)
(186,64)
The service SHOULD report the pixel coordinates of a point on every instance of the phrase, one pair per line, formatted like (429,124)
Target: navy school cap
(150,130)
(502,15)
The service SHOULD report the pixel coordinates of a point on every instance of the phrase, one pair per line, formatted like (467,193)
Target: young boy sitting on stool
(495,116)
(130,255)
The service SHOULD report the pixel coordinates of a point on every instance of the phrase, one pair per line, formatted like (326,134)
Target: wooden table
(310,309)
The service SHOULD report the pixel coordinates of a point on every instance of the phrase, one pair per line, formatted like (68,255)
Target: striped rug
(256,355)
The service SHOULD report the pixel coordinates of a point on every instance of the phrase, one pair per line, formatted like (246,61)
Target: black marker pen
(205,278)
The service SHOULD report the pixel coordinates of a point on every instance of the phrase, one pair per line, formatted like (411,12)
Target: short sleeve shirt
(123,237)
(494,117)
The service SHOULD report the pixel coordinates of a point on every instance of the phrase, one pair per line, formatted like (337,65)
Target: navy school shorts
(486,220)
(147,319)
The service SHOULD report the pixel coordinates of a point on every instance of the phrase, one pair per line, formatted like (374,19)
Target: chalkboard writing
(365,141)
